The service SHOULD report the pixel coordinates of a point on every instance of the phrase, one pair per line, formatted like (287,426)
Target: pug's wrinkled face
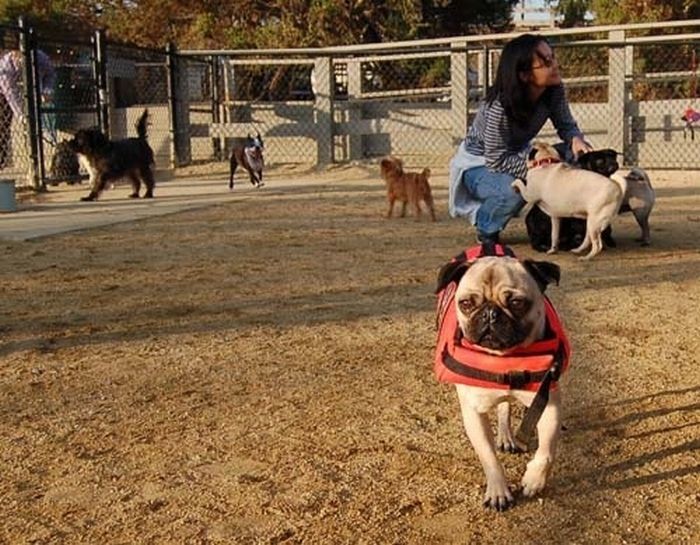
(601,161)
(500,304)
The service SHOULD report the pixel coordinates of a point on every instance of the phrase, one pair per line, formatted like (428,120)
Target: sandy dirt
(260,371)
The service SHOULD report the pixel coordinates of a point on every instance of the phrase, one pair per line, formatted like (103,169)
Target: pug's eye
(468,304)
(518,304)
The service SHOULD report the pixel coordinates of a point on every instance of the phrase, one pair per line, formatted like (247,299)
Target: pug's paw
(498,495)
(535,477)
(505,441)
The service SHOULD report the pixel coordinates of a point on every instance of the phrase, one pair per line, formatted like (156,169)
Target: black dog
(250,157)
(572,230)
(109,160)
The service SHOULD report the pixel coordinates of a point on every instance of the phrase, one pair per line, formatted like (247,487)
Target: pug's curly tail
(519,186)
(621,182)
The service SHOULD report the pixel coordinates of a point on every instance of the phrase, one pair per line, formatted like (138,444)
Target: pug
(500,306)
(639,199)
(563,191)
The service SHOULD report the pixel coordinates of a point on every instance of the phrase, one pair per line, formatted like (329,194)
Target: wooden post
(459,90)
(616,92)
(323,109)
(354,110)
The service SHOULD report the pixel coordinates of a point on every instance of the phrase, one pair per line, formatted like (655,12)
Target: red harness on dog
(521,368)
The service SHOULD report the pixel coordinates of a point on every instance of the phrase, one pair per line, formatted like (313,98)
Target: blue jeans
(499,201)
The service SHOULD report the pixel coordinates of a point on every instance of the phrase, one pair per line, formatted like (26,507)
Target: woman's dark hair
(509,88)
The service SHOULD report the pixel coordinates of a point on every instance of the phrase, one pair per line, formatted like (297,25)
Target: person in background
(527,92)
(12,89)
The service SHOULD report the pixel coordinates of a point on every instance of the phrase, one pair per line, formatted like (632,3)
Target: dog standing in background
(639,199)
(406,187)
(109,160)
(250,157)
(564,191)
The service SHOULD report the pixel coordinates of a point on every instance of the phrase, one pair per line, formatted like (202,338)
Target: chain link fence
(632,88)
(15,151)
(627,90)
(663,88)
(66,104)
(137,79)
(270,96)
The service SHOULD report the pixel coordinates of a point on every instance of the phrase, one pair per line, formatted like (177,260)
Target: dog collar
(545,162)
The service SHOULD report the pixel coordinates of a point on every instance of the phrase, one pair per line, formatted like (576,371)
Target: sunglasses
(547,62)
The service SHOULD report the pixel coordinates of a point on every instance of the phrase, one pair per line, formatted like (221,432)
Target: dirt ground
(261,372)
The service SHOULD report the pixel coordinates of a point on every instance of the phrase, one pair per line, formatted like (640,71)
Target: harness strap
(515,380)
(539,402)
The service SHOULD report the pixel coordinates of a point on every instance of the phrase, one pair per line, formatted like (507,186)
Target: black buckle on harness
(516,379)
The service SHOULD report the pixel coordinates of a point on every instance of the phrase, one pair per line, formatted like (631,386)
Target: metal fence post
(215,110)
(323,109)
(172,105)
(459,90)
(100,69)
(26,46)
(616,92)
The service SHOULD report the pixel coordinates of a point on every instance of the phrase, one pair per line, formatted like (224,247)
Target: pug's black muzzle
(492,328)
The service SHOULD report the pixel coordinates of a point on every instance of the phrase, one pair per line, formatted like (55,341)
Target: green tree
(571,12)
(269,23)
(605,12)
(635,11)
(454,18)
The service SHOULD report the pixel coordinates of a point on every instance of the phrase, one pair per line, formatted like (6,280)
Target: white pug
(564,191)
(500,307)
(639,199)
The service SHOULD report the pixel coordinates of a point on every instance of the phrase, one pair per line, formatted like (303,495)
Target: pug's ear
(544,272)
(451,272)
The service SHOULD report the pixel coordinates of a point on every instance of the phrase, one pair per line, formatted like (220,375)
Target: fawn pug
(563,191)
(639,199)
(109,160)
(407,187)
(500,340)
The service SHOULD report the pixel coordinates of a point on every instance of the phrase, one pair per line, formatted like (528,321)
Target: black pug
(109,160)
(572,230)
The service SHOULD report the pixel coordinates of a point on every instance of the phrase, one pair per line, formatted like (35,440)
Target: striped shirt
(12,78)
(504,144)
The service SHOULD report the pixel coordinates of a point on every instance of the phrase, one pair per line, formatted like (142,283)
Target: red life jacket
(520,368)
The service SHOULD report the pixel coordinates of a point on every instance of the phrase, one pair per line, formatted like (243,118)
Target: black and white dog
(109,160)
(250,157)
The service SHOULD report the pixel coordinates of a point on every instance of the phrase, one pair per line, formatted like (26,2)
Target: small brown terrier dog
(406,187)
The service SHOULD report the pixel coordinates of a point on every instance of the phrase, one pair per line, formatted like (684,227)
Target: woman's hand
(579,146)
